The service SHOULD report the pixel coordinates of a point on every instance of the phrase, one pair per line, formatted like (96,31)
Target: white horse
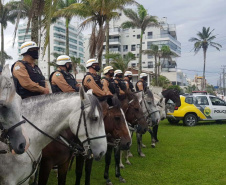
(10,117)
(52,114)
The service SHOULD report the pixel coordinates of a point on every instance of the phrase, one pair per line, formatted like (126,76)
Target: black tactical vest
(130,85)
(35,75)
(96,78)
(145,85)
(121,84)
(69,79)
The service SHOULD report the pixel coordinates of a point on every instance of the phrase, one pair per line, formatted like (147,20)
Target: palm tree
(95,14)
(8,13)
(154,51)
(118,62)
(141,20)
(204,40)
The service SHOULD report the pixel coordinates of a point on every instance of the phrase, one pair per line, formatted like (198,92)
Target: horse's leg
(155,130)
(107,164)
(79,168)
(62,172)
(143,145)
(88,169)
(121,164)
(117,169)
(152,137)
(139,141)
(129,154)
(44,171)
(127,157)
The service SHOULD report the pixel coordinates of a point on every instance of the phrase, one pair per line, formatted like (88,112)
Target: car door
(202,103)
(218,108)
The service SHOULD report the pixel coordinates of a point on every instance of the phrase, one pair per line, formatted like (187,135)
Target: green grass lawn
(184,155)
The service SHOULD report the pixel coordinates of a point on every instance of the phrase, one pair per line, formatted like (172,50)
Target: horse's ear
(6,71)
(82,93)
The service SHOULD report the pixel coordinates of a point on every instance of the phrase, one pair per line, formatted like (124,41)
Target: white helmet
(107,69)
(90,62)
(28,45)
(118,71)
(128,73)
(62,60)
(143,75)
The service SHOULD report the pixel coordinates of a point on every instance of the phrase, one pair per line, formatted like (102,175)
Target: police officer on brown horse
(93,81)
(128,75)
(27,76)
(141,84)
(62,80)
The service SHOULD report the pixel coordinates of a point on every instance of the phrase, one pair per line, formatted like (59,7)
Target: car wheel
(190,120)
(173,121)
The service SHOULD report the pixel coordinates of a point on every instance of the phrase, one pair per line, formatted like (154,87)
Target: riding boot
(155,131)
(79,168)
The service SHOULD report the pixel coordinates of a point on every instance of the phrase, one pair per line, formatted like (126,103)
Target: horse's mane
(61,96)
(149,94)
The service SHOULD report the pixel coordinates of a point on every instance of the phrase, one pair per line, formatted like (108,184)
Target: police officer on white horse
(62,80)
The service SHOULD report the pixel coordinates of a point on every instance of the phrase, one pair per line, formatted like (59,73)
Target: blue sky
(189,18)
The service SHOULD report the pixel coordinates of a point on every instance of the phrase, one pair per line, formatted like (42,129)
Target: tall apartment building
(57,43)
(123,41)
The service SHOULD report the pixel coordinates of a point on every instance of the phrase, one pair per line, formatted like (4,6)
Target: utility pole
(224,80)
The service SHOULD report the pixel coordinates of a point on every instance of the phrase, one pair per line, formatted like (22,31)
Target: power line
(197,70)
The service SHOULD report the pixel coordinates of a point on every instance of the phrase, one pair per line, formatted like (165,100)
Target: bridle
(88,139)
(4,137)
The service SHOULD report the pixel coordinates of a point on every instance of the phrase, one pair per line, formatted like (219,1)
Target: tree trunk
(2,46)
(67,36)
(204,70)
(156,75)
(107,42)
(140,53)
(34,25)
(48,73)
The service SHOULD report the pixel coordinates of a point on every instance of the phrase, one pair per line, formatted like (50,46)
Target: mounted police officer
(141,84)
(27,76)
(92,80)
(127,79)
(62,80)
(120,82)
(108,82)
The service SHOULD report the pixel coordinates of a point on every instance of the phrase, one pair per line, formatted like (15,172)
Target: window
(80,43)
(133,64)
(125,48)
(149,35)
(138,45)
(201,100)
(138,36)
(133,47)
(134,35)
(150,56)
(217,101)
(150,64)
(189,100)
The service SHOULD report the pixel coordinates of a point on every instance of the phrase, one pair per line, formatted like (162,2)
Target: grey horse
(52,114)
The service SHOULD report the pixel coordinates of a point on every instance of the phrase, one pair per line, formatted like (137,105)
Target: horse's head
(90,130)
(173,95)
(10,113)
(134,113)
(115,124)
(150,108)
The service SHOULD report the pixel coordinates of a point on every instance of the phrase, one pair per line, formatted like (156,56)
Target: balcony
(116,41)
(114,32)
(168,36)
(112,50)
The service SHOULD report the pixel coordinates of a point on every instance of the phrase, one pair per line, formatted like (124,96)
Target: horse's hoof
(121,166)
(130,154)
(127,162)
(153,145)
(142,154)
(144,146)
(121,179)
(108,182)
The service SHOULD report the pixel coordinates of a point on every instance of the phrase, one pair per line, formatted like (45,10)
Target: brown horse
(56,154)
